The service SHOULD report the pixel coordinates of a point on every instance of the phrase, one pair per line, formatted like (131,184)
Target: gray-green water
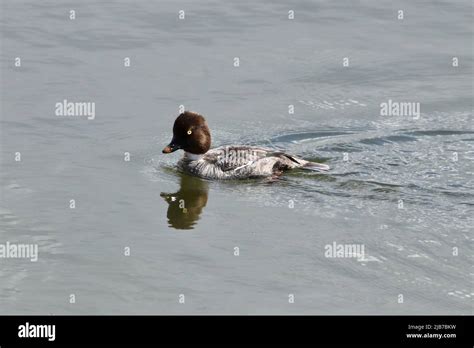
(423,251)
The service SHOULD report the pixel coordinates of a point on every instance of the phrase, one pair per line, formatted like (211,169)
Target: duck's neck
(191,156)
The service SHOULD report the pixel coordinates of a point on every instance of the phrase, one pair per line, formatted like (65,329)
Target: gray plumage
(240,162)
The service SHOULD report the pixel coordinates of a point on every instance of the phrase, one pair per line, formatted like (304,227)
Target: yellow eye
(190,132)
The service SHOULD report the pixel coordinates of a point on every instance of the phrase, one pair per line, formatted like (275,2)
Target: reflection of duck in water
(186,205)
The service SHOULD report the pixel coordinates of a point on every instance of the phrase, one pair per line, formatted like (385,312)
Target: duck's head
(190,133)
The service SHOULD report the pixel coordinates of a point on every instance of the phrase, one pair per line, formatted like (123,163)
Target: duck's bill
(171,147)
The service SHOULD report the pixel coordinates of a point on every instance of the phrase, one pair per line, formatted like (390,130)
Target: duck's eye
(190,132)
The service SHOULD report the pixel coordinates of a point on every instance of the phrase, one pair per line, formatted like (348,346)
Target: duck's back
(241,162)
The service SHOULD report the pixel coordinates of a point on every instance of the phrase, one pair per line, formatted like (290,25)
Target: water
(379,163)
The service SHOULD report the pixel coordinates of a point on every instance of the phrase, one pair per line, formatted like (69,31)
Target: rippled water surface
(401,186)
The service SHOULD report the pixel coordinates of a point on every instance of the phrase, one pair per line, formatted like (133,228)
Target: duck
(192,135)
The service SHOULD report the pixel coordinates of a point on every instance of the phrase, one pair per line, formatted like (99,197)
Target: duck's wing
(236,157)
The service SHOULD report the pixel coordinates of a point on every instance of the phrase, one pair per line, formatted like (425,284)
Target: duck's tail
(317,167)
(301,163)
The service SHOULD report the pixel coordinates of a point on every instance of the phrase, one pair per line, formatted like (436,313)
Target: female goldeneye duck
(191,134)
